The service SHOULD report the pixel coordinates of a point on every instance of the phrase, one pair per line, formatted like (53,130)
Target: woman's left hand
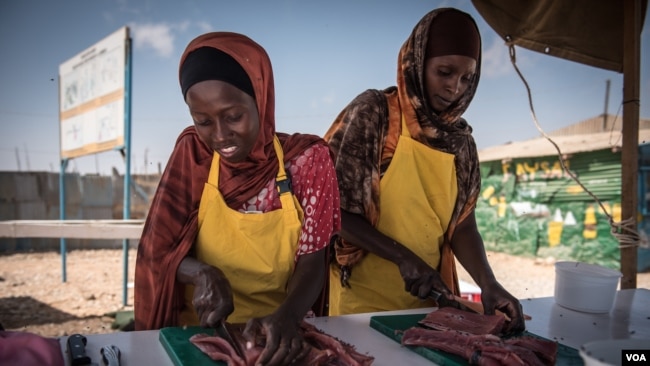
(495,297)
(468,247)
(280,335)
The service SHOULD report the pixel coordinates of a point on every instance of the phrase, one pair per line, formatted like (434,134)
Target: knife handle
(77,350)
(435,294)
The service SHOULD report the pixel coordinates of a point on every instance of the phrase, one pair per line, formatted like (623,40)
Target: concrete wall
(35,196)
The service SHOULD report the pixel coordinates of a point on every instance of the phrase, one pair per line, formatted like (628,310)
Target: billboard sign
(92,98)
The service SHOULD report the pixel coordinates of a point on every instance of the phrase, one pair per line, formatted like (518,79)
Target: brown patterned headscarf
(371,122)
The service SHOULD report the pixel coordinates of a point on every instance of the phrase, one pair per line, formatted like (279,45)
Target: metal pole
(605,112)
(64,164)
(127,172)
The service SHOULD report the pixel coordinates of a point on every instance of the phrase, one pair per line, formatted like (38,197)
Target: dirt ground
(34,298)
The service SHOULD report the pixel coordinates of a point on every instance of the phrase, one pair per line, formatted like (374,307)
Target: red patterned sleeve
(315,186)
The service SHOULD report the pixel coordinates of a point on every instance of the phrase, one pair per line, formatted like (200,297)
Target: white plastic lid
(586,269)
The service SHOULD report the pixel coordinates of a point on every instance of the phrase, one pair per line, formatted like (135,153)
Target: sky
(324,53)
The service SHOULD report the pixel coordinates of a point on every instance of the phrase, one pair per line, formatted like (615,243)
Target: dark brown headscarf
(453,33)
(371,122)
(172,224)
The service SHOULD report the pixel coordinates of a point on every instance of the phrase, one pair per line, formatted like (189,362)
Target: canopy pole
(630,150)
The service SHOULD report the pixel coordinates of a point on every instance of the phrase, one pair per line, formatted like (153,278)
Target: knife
(444,302)
(223,332)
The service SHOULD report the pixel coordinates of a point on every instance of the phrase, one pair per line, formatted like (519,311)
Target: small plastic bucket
(585,287)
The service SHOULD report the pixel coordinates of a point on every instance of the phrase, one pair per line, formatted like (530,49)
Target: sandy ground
(34,298)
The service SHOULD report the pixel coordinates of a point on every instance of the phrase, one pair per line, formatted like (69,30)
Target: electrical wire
(625,230)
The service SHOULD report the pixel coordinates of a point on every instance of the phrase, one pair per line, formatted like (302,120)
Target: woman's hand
(281,338)
(213,299)
(419,278)
(468,247)
(495,297)
(279,333)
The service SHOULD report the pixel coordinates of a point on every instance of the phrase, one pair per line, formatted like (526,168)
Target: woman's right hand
(419,278)
(213,300)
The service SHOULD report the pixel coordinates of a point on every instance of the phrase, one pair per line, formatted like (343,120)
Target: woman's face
(446,79)
(225,118)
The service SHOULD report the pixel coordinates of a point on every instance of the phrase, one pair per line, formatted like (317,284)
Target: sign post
(95,113)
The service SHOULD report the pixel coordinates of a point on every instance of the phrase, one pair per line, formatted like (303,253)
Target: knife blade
(223,332)
(445,302)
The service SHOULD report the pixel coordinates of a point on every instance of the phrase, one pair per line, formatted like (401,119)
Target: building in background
(530,205)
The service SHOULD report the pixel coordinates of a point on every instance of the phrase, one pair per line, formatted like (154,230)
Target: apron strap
(282,180)
(284,185)
(404,131)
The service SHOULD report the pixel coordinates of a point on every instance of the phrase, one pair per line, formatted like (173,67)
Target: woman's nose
(220,132)
(454,85)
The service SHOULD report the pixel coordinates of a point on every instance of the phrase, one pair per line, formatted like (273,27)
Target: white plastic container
(585,287)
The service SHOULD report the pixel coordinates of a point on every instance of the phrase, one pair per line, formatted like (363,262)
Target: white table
(630,318)
(355,329)
(136,348)
(144,348)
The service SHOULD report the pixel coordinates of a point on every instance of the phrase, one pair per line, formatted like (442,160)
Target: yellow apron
(418,194)
(256,251)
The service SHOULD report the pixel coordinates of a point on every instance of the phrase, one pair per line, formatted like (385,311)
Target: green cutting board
(176,341)
(388,324)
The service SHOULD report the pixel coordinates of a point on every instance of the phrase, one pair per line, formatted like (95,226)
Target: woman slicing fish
(408,174)
(241,220)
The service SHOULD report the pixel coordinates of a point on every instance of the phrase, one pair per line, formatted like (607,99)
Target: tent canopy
(585,31)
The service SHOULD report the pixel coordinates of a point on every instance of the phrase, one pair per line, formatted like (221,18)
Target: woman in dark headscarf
(409,179)
(240,223)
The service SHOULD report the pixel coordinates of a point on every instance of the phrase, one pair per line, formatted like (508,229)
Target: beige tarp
(585,31)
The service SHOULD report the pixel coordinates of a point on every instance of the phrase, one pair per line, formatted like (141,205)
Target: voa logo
(636,357)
